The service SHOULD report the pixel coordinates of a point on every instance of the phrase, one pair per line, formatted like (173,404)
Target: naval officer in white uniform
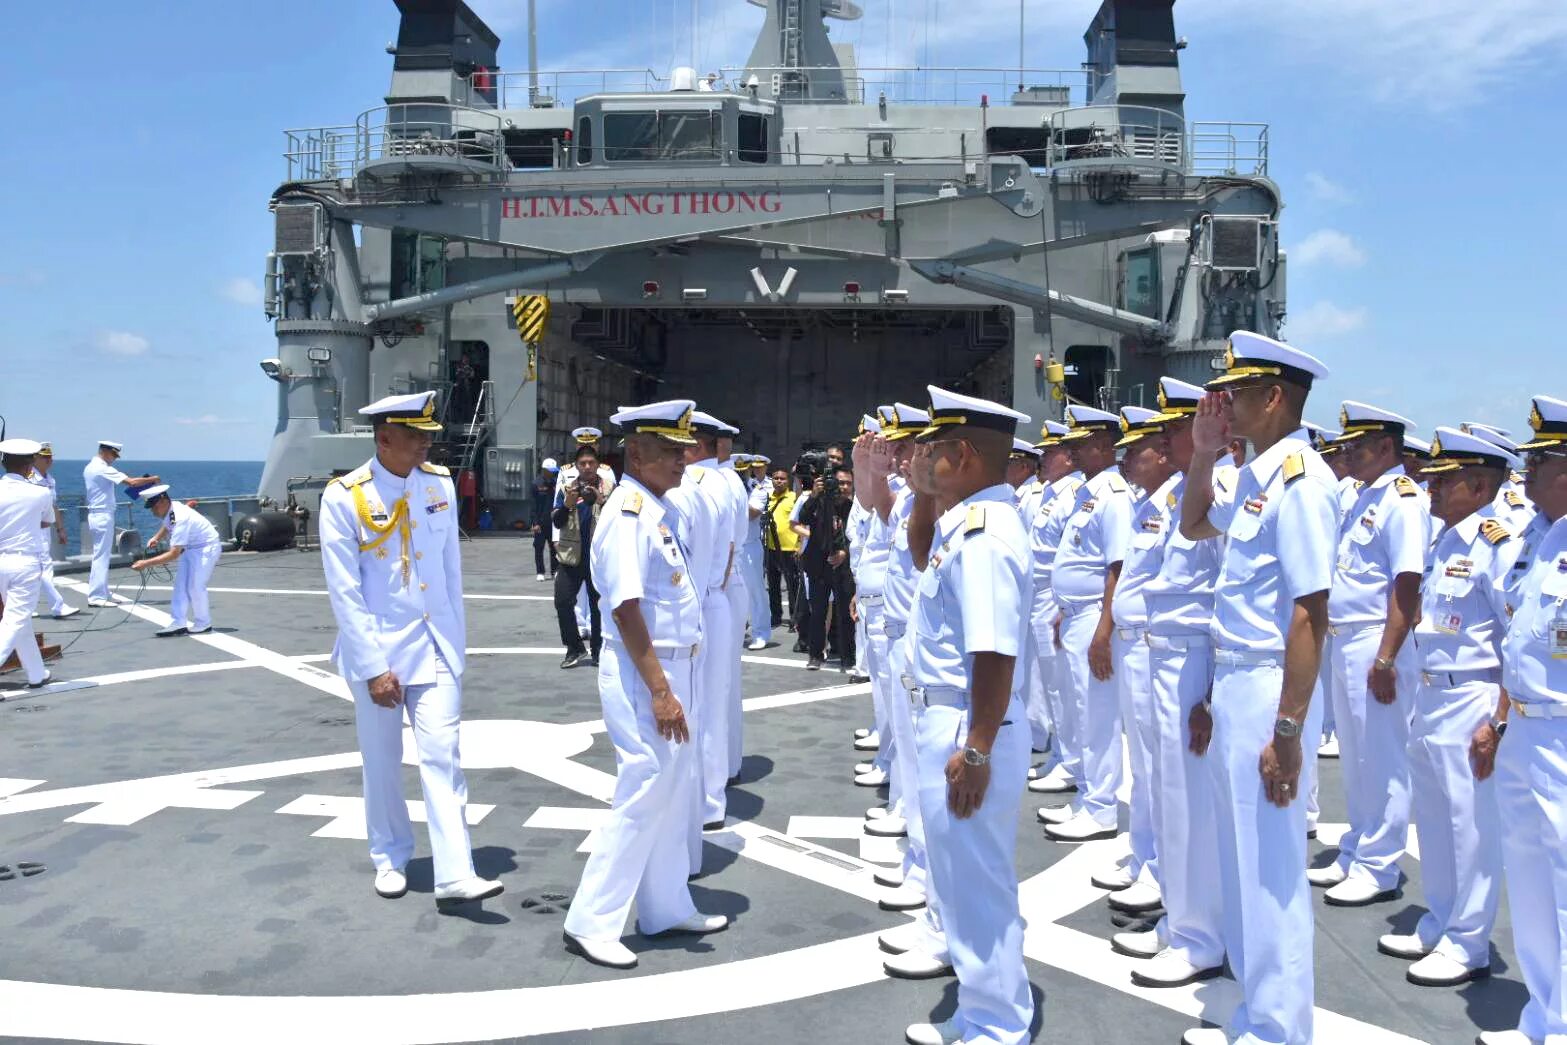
(1269,621)
(43,462)
(99,479)
(735,590)
(195,546)
(651,635)
(1458,653)
(971,624)
(394,575)
(1052,719)
(26,513)
(1531,760)
(1369,666)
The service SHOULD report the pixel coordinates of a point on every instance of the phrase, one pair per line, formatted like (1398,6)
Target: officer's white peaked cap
(670,419)
(951,409)
(414,411)
(1250,356)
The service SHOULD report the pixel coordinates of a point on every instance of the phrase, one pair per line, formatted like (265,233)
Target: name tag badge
(1448,620)
(1559,635)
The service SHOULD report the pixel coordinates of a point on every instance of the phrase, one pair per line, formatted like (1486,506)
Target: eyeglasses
(1539,458)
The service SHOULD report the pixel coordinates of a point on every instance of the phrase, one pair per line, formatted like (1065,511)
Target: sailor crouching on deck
(389,548)
(651,635)
(971,619)
(194,544)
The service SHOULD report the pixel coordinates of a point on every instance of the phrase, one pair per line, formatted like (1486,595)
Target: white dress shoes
(101,603)
(1357,892)
(1055,814)
(1168,969)
(467,891)
(1117,878)
(891,877)
(1137,945)
(1136,898)
(1402,945)
(1056,782)
(1081,828)
(1506,1037)
(904,898)
(1326,877)
(1438,970)
(877,812)
(1329,748)
(900,938)
(869,742)
(915,965)
(863,767)
(933,1033)
(698,924)
(171,631)
(70,611)
(611,954)
(887,827)
(756,644)
(1207,1036)
(875,778)
(391,883)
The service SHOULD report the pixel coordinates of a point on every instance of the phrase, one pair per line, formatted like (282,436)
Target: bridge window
(584,141)
(1141,294)
(645,137)
(1092,366)
(753,138)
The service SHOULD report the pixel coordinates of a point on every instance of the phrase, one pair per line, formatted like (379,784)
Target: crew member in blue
(394,576)
(651,634)
(1269,621)
(1369,668)
(1457,645)
(1087,567)
(971,622)
(1531,761)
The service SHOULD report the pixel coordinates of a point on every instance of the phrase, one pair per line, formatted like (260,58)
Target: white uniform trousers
(19,574)
(711,712)
(972,867)
(1531,783)
(1266,901)
(1373,753)
(884,690)
(903,721)
(1460,832)
(739,609)
(46,588)
(1098,712)
(1134,690)
(756,586)
(1058,715)
(435,712)
(1185,829)
(100,525)
(640,853)
(191,575)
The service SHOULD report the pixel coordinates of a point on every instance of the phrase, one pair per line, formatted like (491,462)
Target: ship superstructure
(785,244)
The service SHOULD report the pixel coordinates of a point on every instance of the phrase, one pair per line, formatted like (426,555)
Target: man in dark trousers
(825,564)
(543,505)
(576,512)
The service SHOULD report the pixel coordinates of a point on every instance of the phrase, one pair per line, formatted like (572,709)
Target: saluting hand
(1211,426)
(670,717)
(385,690)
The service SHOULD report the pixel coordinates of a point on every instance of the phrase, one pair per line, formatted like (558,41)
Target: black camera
(811,464)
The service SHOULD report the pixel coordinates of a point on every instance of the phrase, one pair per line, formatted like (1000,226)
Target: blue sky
(1419,146)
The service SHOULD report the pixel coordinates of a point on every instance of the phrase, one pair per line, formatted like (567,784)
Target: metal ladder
(474,435)
(790,30)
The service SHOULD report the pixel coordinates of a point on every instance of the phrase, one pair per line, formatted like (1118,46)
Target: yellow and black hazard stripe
(532,313)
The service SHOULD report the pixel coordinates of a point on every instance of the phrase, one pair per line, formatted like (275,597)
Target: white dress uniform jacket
(1281,527)
(1056,721)
(57,604)
(26,510)
(739,597)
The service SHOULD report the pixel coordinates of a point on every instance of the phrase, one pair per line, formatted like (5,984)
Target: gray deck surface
(153,893)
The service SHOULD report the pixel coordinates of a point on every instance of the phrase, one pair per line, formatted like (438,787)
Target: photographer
(577,507)
(780,543)
(824,560)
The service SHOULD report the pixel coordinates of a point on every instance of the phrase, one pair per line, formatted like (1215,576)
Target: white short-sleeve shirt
(635,555)
(99,480)
(1386,532)
(1096,535)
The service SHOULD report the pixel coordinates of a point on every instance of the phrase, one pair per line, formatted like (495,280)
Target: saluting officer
(1087,565)
(971,623)
(1051,718)
(394,574)
(651,634)
(1269,621)
(1370,671)
(193,544)
(869,548)
(1456,700)
(26,513)
(1531,762)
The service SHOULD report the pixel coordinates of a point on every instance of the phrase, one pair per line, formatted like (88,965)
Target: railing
(392,132)
(557,87)
(320,153)
(921,85)
(1137,132)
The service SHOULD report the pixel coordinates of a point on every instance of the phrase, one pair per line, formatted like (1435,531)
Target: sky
(1418,147)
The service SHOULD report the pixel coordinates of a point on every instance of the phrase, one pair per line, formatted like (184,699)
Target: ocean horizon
(186,479)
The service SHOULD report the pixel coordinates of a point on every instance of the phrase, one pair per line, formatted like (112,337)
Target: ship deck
(195,805)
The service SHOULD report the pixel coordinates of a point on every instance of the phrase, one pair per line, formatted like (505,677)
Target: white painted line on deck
(844,827)
(115,678)
(346,814)
(323,591)
(131,807)
(15,785)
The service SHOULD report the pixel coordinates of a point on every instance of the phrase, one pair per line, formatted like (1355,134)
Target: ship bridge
(787,242)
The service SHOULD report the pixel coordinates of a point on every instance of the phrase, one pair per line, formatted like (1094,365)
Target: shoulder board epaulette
(1294,467)
(1513,498)
(1360,484)
(975,522)
(1516,477)
(1406,486)
(435,469)
(697,473)
(1494,532)
(1171,500)
(355,477)
(1117,484)
(1071,486)
(632,505)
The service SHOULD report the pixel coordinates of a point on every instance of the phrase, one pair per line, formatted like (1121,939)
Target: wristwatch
(1383,663)
(1500,725)
(1286,727)
(975,757)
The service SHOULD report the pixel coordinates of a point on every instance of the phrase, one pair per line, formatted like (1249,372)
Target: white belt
(1351,629)
(1172,642)
(1072,609)
(869,598)
(1131,634)
(663,651)
(1248,656)
(1458,678)
(1540,710)
(945,696)
(32,555)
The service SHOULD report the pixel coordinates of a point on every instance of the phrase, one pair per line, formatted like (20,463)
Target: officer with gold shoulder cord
(394,576)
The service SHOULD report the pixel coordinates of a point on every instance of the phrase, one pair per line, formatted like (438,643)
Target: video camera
(810,464)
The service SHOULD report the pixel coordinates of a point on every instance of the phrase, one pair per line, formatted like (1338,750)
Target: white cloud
(241,291)
(1327,190)
(210,419)
(121,343)
(1329,247)
(1323,319)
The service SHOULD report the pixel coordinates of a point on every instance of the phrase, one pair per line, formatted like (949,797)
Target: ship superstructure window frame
(585,141)
(663,135)
(755,138)
(1138,264)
